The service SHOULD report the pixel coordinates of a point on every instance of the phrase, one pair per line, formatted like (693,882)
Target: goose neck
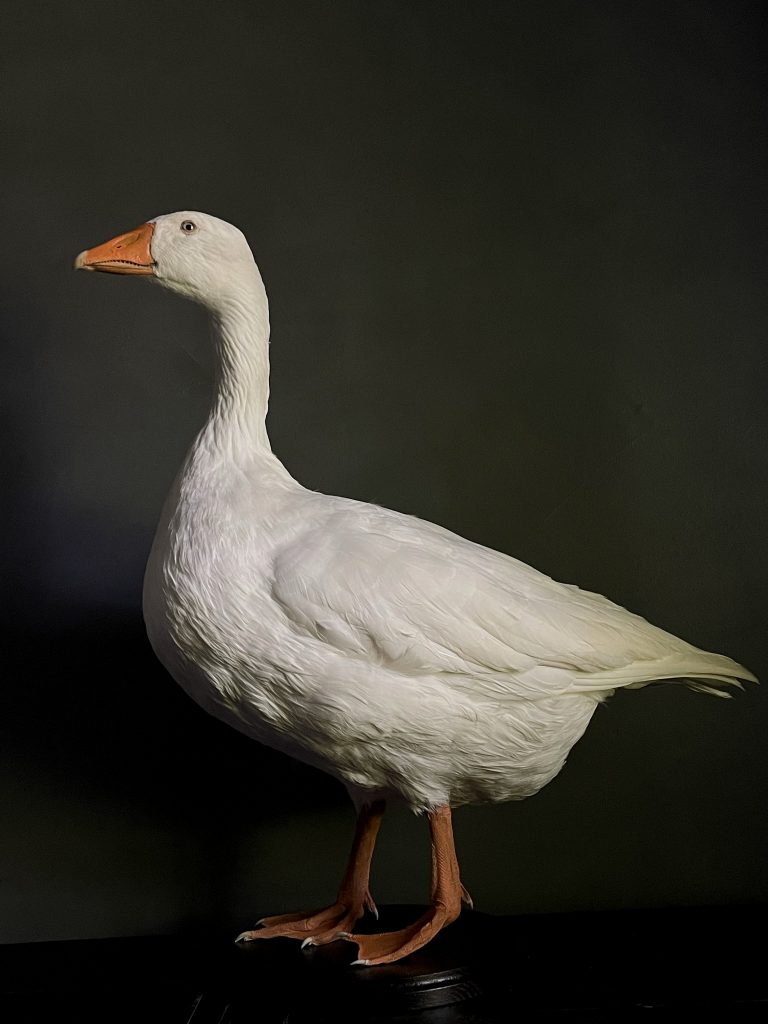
(241,337)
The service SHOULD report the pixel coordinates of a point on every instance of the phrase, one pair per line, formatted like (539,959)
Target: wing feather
(421,600)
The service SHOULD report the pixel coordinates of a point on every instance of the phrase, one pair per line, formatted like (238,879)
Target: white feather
(393,654)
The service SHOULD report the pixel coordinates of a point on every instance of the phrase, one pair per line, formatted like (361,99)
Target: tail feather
(699,670)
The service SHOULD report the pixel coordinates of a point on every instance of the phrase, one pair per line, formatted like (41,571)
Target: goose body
(403,659)
(311,644)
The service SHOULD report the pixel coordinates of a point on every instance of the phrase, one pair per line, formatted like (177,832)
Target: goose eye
(188,226)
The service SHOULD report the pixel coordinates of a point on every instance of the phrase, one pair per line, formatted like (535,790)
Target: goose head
(195,254)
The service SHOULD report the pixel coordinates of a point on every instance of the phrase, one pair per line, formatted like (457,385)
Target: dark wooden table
(666,965)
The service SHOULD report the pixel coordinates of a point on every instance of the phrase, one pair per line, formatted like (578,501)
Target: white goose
(404,660)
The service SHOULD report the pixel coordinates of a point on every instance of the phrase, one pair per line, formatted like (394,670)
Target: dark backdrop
(516,263)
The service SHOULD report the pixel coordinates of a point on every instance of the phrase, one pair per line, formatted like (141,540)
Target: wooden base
(320,986)
(441,974)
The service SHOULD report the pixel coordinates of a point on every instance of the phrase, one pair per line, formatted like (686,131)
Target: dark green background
(516,259)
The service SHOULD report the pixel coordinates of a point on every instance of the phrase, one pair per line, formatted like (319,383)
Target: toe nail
(307,942)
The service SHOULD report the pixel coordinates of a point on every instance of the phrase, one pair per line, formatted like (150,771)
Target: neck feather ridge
(241,336)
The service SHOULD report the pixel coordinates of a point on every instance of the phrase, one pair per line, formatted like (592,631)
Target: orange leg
(447,896)
(353,898)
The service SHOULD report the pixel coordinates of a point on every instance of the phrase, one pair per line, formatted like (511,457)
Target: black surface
(616,966)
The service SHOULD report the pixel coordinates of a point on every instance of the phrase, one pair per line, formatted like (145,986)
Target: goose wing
(390,588)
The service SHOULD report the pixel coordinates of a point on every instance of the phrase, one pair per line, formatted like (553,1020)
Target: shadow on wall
(130,803)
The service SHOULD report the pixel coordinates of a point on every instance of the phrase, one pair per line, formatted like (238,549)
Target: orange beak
(126,254)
